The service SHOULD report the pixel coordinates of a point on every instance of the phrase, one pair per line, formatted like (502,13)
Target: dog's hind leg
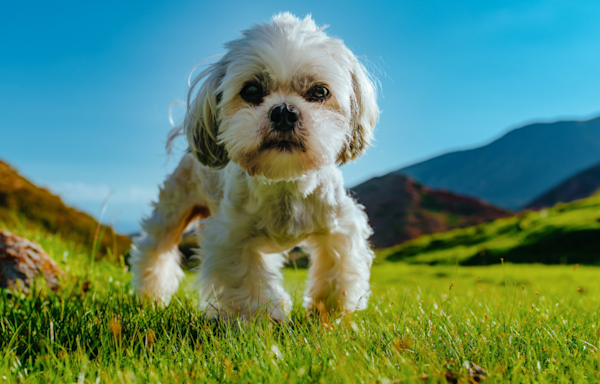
(155,259)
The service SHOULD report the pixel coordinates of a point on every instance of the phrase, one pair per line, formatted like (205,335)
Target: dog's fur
(260,192)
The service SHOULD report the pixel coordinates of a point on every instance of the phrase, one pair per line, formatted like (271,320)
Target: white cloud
(78,192)
(126,205)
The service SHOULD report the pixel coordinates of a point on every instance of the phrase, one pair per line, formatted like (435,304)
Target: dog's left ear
(364,114)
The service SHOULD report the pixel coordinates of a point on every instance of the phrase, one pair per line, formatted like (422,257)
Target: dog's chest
(284,216)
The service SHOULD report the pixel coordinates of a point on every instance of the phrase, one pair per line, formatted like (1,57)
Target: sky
(85,87)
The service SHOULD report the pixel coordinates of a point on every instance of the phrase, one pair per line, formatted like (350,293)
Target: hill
(581,185)
(401,209)
(21,198)
(566,233)
(518,167)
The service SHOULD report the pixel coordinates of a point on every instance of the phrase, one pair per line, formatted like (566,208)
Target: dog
(266,130)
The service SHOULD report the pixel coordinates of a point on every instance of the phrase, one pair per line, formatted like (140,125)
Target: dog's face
(284,100)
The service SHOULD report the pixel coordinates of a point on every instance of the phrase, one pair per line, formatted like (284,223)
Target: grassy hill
(401,209)
(23,203)
(566,233)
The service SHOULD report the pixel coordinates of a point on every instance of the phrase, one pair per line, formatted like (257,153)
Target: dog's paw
(158,281)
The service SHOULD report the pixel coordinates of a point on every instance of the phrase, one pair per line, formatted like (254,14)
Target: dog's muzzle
(284,117)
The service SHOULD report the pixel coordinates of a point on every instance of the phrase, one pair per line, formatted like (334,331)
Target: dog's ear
(202,123)
(364,114)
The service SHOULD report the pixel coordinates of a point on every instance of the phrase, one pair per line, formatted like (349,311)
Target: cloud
(77,192)
(126,205)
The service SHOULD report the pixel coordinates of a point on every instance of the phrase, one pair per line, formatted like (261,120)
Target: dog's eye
(318,93)
(252,93)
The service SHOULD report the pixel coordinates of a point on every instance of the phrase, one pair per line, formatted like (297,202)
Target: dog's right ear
(201,124)
(364,113)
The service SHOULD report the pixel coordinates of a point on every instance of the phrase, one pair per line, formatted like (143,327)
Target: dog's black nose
(284,117)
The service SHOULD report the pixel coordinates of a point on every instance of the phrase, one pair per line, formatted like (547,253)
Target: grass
(566,233)
(443,323)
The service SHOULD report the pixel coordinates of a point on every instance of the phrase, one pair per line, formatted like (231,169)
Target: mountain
(566,233)
(581,185)
(516,168)
(21,199)
(401,209)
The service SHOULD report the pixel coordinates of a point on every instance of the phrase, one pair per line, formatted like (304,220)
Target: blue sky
(85,87)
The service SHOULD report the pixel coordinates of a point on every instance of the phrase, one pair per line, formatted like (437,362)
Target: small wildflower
(149,339)
(228,365)
(116,327)
(324,314)
(277,351)
(402,344)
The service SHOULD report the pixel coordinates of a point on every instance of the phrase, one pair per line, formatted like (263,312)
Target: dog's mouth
(282,145)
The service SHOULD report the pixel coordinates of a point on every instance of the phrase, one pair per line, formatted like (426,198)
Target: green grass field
(444,323)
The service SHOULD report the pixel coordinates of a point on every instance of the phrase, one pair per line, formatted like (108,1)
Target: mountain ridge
(579,186)
(518,166)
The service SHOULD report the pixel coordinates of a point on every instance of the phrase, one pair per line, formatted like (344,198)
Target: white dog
(273,117)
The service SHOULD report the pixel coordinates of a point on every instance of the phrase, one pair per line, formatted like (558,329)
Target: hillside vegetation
(401,209)
(566,233)
(27,204)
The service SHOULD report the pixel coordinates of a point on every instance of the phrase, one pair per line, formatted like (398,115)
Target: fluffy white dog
(271,120)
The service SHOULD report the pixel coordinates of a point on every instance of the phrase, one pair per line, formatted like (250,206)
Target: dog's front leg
(236,280)
(155,259)
(340,263)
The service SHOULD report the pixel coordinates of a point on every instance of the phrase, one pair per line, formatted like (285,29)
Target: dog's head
(284,100)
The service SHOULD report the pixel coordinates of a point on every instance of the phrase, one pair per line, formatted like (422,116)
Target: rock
(21,260)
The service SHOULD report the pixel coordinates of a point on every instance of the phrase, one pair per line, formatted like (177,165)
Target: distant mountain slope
(518,167)
(567,233)
(400,209)
(583,184)
(20,197)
